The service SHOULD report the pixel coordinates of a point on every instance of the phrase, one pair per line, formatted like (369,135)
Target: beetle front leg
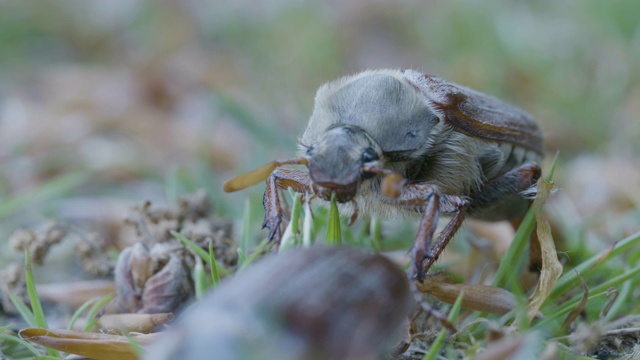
(275,217)
(426,199)
(443,239)
(422,244)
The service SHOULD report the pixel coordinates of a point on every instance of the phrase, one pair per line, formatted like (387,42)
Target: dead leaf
(92,345)
(580,306)
(486,298)
(551,267)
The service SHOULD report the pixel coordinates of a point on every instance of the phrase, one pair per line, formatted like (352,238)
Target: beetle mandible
(399,142)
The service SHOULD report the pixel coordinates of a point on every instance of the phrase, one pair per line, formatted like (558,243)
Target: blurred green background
(104,104)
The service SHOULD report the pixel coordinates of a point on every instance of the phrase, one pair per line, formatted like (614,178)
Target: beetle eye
(369,155)
(310,150)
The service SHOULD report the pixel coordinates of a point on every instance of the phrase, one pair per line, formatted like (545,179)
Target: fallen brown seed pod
(315,303)
(486,298)
(126,323)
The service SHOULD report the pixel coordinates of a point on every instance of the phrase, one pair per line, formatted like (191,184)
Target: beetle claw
(419,255)
(275,225)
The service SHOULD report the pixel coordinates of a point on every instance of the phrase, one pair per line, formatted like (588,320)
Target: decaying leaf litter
(151,277)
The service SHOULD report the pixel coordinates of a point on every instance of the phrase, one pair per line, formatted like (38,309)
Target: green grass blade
(570,279)
(554,164)
(256,253)
(36,305)
(26,344)
(204,255)
(334,234)
(375,228)
(23,310)
(594,292)
(79,311)
(434,350)
(616,281)
(307,225)
(215,274)
(623,298)
(199,278)
(193,246)
(290,236)
(95,309)
(516,250)
(136,346)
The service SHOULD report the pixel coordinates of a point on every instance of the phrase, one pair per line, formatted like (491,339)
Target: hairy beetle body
(414,137)
(397,143)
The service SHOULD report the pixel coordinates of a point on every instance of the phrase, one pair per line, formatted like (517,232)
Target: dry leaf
(486,298)
(580,306)
(551,267)
(92,345)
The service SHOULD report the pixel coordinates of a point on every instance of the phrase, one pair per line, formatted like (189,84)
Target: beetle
(400,142)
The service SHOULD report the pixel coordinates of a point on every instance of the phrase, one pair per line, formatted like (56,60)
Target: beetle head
(338,159)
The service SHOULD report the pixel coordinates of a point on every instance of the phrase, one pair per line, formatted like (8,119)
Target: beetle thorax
(382,103)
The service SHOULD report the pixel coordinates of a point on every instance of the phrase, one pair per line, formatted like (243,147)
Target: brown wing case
(476,114)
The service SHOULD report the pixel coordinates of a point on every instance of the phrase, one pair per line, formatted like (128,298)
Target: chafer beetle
(396,142)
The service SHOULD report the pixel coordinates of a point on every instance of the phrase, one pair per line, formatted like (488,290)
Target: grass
(252,79)
(555,307)
(95,309)
(438,343)
(599,271)
(34,316)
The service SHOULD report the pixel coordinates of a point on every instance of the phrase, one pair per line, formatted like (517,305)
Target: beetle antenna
(253,177)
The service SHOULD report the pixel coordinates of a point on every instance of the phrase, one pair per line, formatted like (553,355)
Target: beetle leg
(504,188)
(424,198)
(422,244)
(275,217)
(420,251)
(443,239)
